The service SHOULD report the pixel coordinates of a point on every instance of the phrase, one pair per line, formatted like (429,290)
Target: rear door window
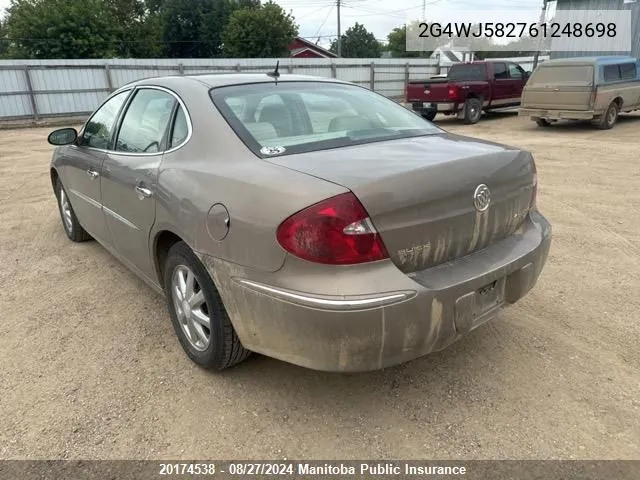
(500,71)
(628,71)
(145,122)
(180,129)
(611,73)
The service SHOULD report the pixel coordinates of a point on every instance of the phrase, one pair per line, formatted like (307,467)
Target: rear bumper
(438,107)
(557,114)
(348,328)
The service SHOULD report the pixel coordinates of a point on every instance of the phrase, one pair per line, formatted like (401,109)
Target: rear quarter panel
(628,91)
(214,166)
(440,92)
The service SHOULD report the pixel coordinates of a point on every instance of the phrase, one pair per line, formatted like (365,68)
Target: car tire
(610,117)
(542,122)
(472,111)
(430,115)
(221,348)
(70,222)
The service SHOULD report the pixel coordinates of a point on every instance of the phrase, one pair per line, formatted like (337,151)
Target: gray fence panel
(48,88)
(12,81)
(16,106)
(61,103)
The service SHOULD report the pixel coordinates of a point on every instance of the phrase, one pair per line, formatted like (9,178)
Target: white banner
(521,30)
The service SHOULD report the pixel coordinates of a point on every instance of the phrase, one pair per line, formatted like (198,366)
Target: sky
(317,19)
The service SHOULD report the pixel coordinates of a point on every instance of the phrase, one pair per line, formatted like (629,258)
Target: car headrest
(279,117)
(349,123)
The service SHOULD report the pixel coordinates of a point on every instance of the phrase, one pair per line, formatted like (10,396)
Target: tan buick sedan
(306,219)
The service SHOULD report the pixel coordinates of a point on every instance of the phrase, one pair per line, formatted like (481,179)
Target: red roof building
(301,48)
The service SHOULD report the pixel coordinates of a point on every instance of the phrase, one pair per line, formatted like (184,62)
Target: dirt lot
(90,366)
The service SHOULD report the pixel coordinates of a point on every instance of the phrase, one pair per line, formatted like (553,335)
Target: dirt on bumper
(450,300)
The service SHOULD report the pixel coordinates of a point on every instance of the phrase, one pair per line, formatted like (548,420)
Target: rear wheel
(472,110)
(70,222)
(429,115)
(610,117)
(198,315)
(542,122)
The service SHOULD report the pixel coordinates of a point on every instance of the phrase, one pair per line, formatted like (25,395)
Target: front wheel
(542,122)
(70,222)
(472,110)
(198,315)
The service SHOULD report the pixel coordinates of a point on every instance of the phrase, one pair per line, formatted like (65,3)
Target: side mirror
(63,136)
(527,74)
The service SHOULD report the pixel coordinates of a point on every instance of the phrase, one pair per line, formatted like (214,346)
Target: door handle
(93,173)
(143,191)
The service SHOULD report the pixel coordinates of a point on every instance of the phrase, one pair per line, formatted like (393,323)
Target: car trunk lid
(419,192)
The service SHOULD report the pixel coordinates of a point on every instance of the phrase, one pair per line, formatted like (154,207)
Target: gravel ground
(90,366)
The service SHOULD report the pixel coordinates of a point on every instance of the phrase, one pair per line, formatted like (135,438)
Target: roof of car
(227,79)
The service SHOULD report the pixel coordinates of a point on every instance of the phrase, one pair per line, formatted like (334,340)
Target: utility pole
(424,10)
(543,16)
(339,41)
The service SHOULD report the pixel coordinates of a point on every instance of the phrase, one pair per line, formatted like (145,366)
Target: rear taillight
(336,231)
(593,98)
(453,93)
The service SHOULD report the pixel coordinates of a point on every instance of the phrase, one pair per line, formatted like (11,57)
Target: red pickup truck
(468,90)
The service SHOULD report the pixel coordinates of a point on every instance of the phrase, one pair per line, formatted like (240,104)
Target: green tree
(358,42)
(4,41)
(259,32)
(193,28)
(397,43)
(138,28)
(61,29)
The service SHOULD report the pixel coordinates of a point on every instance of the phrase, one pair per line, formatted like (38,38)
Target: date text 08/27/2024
(301,468)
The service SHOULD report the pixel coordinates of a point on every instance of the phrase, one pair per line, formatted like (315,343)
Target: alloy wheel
(191,308)
(65,206)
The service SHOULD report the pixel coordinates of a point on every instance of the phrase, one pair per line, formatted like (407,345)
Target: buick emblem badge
(482,197)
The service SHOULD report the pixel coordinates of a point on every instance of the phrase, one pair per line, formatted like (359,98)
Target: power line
(325,20)
(372,12)
(315,11)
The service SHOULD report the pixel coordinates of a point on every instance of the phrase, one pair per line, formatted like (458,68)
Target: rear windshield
(296,117)
(578,75)
(467,72)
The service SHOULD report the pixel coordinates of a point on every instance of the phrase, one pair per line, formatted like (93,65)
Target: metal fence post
(290,68)
(107,74)
(334,73)
(238,67)
(372,78)
(407,66)
(32,96)
(181,68)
